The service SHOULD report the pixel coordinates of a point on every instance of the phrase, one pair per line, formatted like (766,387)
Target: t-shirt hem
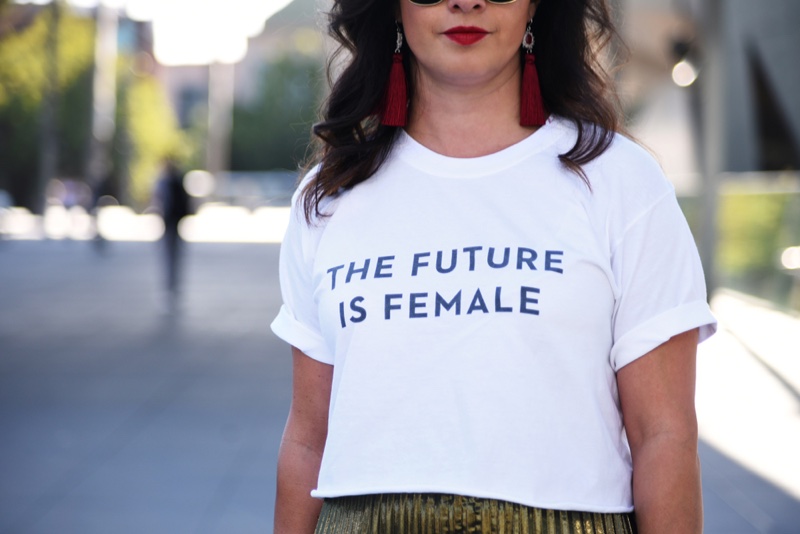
(555,505)
(652,333)
(298,335)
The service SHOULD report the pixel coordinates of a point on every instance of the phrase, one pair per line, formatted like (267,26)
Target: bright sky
(196,32)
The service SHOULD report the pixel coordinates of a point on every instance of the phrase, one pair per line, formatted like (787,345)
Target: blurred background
(140,387)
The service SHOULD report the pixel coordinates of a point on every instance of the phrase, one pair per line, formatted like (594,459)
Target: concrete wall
(728,36)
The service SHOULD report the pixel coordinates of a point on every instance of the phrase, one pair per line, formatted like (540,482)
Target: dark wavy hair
(351,142)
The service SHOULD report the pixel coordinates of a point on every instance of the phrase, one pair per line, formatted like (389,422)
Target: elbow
(679,433)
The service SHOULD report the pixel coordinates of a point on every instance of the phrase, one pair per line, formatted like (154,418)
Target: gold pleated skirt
(431,513)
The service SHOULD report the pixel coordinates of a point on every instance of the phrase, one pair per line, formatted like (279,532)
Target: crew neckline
(417,155)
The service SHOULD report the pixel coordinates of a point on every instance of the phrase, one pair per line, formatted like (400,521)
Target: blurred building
(743,111)
(757,78)
(17,17)
(292,30)
(713,88)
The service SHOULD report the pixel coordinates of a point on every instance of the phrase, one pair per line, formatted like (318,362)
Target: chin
(468,75)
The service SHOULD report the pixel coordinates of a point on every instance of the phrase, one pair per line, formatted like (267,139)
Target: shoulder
(625,173)
(631,178)
(305,219)
(623,157)
(303,184)
(625,184)
(631,164)
(303,195)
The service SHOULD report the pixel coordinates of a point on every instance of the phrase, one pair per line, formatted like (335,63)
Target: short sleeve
(660,282)
(297,322)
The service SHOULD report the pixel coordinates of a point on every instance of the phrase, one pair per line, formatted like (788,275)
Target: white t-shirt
(476,312)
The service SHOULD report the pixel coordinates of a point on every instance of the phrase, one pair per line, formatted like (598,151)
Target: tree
(273,131)
(23,78)
(147,133)
(146,129)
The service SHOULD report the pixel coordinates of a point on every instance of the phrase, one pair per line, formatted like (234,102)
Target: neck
(467,120)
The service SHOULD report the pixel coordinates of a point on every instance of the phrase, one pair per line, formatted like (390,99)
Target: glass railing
(758,235)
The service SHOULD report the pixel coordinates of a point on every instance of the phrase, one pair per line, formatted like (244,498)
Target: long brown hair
(352,144)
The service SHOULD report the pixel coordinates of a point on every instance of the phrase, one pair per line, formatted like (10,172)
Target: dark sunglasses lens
(434,2)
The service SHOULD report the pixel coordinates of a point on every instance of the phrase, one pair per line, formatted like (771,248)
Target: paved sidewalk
(115,417)
(119,419)
(748,406)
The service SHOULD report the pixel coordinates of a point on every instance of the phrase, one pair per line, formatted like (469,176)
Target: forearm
(667,493)
(296,512)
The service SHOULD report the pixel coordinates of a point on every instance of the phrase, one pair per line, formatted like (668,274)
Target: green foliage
(192,150)
(23,79)
(754,229)
(150,135)
(146,127)
(23,73)
(274,131)
(75,123)
(691,208)
(749,232)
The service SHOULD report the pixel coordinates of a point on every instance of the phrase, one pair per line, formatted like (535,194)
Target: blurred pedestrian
(174,204)
(100,191)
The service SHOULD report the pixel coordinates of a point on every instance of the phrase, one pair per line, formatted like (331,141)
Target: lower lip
(465,38)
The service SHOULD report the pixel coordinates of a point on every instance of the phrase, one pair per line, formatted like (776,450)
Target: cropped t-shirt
(476,312)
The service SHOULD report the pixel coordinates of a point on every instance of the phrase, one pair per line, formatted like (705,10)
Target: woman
(482,281)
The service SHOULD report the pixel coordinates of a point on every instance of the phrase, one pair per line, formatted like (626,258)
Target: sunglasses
(434,2)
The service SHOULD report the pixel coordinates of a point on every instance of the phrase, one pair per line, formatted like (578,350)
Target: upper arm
(656,391)
(311,392)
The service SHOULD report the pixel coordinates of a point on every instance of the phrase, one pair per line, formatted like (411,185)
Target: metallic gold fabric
(431,513)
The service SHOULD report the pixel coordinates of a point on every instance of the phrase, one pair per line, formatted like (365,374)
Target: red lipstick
(466,35)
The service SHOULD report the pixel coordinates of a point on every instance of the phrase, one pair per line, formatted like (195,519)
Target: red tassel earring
(531,111)
(395,108)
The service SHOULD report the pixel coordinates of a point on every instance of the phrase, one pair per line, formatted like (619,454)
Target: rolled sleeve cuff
(292,331)
(652,333)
